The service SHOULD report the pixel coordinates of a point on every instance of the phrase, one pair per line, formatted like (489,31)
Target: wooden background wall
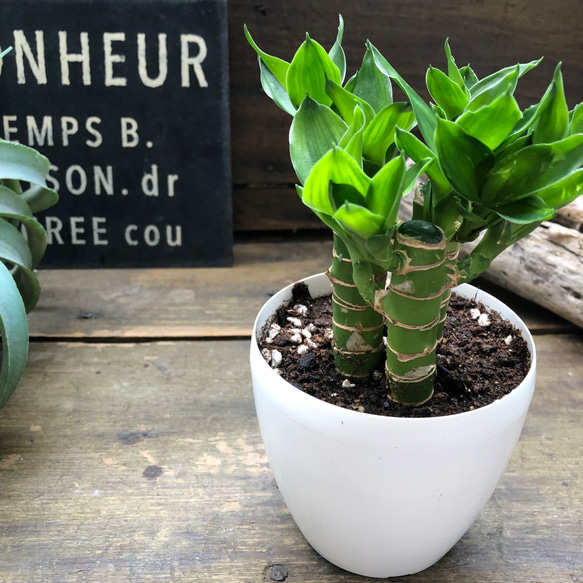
(488,34)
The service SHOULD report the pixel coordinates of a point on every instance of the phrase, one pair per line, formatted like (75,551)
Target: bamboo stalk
(358,345)
(545,267)
(413,308)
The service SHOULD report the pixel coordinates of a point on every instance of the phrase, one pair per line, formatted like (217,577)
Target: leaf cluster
(496,170)
(342,141)
(493,169)
(22,246)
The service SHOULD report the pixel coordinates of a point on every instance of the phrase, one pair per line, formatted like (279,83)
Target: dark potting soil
(479,360)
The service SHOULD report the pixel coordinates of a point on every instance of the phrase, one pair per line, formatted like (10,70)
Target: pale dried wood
(571,215)
(144,462)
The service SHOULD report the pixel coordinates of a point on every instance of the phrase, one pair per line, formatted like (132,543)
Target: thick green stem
(358,329)
(497,238)
(413,307)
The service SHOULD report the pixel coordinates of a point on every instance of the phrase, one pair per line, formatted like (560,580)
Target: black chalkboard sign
(129,101)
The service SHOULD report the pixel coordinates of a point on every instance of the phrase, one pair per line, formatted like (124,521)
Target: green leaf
(447,216)
(14,330)
(12,206)
(414,172)
(497,81)
(346,102)
(563,192)
(527,210)
(39,198)
(28,286)
(338,167)
(464,160)
(452,69)
(275,90)
(14,185)
(447,94)
(532,169)
(492,123)
(552,119)
(371,84)
(426,119)
(385,191)
(576,120)
(511,146)
(276,66)
(380,247)
(352,140)
(478,222)
(380,133)
(505,85)
(469,77)
(341,194)
(528,118)
(14,250)
(20,162)
(13,247)
(308,72)
(495,240)
(337,52)
(359,220)
(326,219)
(314,131)
(419,152)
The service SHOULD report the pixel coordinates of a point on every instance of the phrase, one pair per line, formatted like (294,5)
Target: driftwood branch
(572,215)
(546,267)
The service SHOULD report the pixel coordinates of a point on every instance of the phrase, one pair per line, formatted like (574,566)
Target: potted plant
(22,246)
(384,496)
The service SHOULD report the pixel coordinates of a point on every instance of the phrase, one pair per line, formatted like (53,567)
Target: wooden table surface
(131,452)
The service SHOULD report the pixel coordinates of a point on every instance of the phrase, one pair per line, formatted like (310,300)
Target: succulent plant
(23,192)
(493,171)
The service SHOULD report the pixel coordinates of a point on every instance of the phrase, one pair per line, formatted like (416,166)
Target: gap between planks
(129,339)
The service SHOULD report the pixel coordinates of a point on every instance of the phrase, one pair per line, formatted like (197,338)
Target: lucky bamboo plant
(494,172)
(22,245)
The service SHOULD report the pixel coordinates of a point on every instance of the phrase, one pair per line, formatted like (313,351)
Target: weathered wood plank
(143,462)
(174,303)
(131,463)
(194,303)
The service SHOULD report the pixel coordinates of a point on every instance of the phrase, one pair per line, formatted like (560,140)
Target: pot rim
(283,390)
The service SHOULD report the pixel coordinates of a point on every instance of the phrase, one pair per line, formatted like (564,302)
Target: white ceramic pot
(381,496)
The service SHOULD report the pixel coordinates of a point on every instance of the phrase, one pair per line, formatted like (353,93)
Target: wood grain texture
(272,209)
(571,216)
(196,303)
(143,462)
(174,303)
